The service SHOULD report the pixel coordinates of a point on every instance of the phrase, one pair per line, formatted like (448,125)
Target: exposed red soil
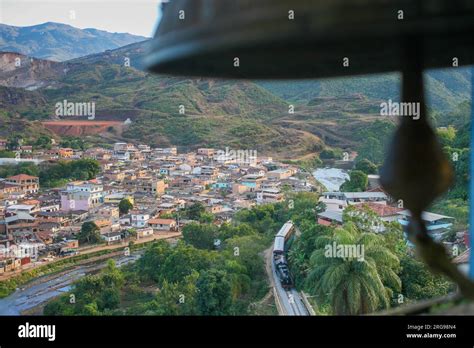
(81,127)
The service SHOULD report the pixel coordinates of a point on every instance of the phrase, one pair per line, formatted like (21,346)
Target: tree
(177,298)
(51,175)
(329,153)
(7,154)
(418,283)
(14,141)
(43,142)
(206,218)
(124,206)
(194,211)
(304,246)
(199,235)
(90,233)
(353,285)
(446,136)
(366,166)
(357,182)
(131,232)
(150,265)
(215,293)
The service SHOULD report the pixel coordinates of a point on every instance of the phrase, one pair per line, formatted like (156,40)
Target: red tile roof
(379,209)
(161,221)
(22,177)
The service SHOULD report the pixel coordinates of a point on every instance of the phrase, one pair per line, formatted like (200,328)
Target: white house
(112,237)
(139,219)
(338,201)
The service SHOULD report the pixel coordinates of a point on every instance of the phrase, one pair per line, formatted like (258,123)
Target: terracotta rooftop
(22,177)
(161,221)
(380,209)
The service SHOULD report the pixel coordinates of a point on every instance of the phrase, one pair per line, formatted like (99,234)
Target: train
(279,255)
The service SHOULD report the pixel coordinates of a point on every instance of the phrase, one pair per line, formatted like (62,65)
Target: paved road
(45,288)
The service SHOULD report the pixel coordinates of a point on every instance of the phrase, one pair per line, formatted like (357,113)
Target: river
(47,287)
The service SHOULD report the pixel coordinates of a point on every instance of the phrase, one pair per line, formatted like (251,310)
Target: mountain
(22,71)
(216,113)
(237,114)
(446,88)
(60,42)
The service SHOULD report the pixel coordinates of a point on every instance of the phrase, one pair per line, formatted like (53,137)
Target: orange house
(66,152)
(26,183)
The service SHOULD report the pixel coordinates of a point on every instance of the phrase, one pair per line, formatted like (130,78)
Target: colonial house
(162,224)
(385,213)
(82,195)
(144,232)
(113,237)
(26,183)
(139,219)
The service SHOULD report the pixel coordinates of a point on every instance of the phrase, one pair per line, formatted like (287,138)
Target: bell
(306,38)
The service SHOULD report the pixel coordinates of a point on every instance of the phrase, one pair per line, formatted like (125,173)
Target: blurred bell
(306,38)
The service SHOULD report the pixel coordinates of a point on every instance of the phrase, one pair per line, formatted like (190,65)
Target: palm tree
(354,285)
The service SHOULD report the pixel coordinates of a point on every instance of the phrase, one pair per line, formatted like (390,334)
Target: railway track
(296,303)
(289,301)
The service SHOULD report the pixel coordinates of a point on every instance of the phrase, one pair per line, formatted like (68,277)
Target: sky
(137,17)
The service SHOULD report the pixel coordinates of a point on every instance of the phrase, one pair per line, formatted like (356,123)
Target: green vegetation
(124,206)
(42,142)
(191,278)
(7,154)
(353,285)
(455,202)
(9,286)
(329,153)
(90,233)
(57,174)
(28,168)
(63,171)
(357,182)
(372,141)
(383,278)
(196,212)
(364,165)
(74,143)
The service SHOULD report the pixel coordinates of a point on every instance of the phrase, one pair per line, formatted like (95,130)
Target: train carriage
(279,259)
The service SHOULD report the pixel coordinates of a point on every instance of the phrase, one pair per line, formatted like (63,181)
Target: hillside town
(40,225)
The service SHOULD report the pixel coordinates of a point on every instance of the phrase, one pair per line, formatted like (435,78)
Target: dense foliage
(125,205)
(89,234)
(190,278)
(357,182)
(57,174)
(198,276)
